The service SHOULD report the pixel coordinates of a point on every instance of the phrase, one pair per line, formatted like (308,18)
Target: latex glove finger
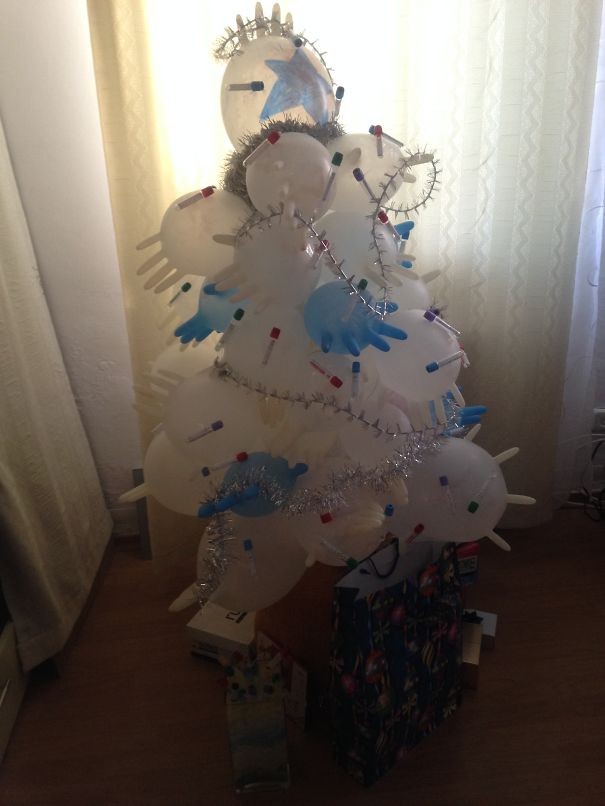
(384,329)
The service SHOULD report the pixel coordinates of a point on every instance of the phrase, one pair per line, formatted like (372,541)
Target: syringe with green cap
(182,290)
(361,286)
(238,315)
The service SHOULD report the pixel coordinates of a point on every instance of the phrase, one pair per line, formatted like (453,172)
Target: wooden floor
(135,720)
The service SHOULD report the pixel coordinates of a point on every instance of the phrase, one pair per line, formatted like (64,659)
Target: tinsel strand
(230,43)
(388,188)
(259,220)
(216,560)
(226,372)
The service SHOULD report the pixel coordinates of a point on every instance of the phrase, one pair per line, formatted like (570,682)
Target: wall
(49,108)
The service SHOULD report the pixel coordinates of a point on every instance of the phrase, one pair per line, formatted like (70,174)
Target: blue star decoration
(298,84)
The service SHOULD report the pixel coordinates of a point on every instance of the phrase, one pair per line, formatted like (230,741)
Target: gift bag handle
(384,574)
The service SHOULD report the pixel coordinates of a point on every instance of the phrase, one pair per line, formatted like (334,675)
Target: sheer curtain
(501,89)
(585,375)
(53,520)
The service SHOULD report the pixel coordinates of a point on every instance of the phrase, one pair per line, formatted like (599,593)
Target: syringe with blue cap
(252,86)
(445,485)
(336,163)
(339,95)
(208,429)
(355,375)
(435,365)
(249,549)
(360,177)
(432,316)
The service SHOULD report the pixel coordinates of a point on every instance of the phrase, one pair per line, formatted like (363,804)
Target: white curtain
(54,526)
(501,89)
(511,125)
(585,375)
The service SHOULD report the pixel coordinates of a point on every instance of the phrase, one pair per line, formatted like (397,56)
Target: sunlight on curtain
(585,375)
(501,89)
(187,79)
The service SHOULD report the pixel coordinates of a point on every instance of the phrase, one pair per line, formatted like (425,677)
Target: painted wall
(49,108)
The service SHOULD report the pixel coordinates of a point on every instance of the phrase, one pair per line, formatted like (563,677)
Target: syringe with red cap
(242,456)
(195,197)
(273,337)
(384,219)
(386,136)
(269,140)
(378,135)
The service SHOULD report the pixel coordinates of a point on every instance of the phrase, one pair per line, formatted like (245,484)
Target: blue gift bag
(395,664)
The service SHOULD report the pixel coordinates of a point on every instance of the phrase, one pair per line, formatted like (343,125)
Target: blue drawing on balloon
(298,84)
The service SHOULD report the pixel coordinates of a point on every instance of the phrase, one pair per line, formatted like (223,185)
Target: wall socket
(598,423)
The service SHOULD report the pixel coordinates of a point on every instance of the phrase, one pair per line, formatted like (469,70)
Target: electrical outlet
(598,423)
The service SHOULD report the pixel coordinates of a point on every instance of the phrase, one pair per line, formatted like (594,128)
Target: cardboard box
(216,632)
(488,621)
(471,652)
(468,562)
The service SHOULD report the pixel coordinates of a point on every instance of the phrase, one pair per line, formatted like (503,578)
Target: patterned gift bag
(395,661)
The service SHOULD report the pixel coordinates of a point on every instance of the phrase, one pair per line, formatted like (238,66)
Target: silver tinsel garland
(329,497)
(260,221)
(321,401)
(410,446)
(380,477)
(216,561)
(388,188)
(232,42)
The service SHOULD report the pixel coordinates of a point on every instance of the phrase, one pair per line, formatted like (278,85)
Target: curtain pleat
(141,186)
(54,526)
(584,385)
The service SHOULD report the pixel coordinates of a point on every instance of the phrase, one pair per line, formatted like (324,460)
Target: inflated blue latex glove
(249,501)
(339,322)
(214,313)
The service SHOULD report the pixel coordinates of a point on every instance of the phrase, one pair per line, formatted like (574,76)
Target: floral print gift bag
(396,658)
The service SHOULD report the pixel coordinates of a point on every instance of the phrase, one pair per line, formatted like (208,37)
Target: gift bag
(256,719)
(395,660)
